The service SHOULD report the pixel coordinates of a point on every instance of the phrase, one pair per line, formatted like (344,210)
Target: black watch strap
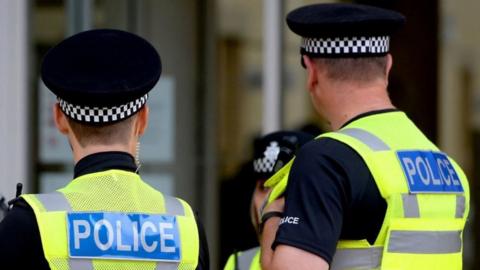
(267,216)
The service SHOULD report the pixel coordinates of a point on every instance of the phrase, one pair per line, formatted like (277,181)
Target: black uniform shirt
(330,195)
(20,244)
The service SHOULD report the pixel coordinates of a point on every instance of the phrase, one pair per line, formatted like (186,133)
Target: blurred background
(231,72)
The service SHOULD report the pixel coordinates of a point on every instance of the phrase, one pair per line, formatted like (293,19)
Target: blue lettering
(122,235)
(422,170)
(409,169)
(429,172)
(436,180)
(444,172)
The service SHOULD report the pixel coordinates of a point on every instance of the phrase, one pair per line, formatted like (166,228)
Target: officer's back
(106,217)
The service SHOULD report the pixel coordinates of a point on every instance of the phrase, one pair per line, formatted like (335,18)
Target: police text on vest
(289,220)
(428,171)
(123,235)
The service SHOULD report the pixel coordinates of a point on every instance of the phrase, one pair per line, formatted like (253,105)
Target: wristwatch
(267,216)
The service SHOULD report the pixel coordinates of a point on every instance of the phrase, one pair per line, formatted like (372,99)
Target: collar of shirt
(104,161)
(365,114)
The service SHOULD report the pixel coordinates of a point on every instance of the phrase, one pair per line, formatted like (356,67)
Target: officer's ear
(311,67)
(388,65)
(60,120)
(141,122)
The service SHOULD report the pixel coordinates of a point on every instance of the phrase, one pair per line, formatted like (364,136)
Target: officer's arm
(20,239)
(283,255)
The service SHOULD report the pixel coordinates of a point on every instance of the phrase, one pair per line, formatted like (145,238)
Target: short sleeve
(317,195)
(331,195)
(20,239)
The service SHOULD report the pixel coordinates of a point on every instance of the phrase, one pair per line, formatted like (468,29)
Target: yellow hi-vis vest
(426,206)
(244,260)
(113,220)
(427,197)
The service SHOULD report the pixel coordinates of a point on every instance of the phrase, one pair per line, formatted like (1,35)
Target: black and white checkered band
(266,163)
(102,115)
(263,165)
(350,46)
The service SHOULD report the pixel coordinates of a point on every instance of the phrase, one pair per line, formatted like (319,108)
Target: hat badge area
(267,162)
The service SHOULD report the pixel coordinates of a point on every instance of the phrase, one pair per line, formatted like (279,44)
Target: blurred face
(259,196)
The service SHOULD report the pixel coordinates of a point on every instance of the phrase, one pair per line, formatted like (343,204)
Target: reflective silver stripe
(372,141)
(412,210)
(246,257)
(167,266)
(425,242)
(80,264)
(357,258)
(54,201)
(87,264)
(460,208)
(173,206)
(410,206)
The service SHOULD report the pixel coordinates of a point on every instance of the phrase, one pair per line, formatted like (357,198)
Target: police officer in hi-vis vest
(106,217)
(271,152)
(375,193)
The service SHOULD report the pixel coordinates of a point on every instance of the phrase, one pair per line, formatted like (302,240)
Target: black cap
(274,150)
(101,76)
(344,30)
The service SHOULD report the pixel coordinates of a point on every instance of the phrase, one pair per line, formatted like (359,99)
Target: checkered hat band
(263,165)
(102,115)
(346,45)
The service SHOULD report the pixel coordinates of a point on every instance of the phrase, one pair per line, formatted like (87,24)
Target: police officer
(375,193)
(271,152)
(106,217)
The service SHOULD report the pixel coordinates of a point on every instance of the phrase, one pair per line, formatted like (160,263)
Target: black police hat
(101,76)
(274,150)
(344,30)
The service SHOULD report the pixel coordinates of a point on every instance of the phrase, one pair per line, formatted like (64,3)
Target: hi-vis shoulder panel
(123,236)
(429,172)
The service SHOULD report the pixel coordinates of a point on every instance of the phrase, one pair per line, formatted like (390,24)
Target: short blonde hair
(104,134)
(361,69)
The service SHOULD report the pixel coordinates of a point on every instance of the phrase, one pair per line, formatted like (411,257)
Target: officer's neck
(347,100)
(80,152)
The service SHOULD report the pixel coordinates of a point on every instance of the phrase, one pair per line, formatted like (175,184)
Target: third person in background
(271,152)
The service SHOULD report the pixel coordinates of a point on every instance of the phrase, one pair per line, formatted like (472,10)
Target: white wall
(14,99)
